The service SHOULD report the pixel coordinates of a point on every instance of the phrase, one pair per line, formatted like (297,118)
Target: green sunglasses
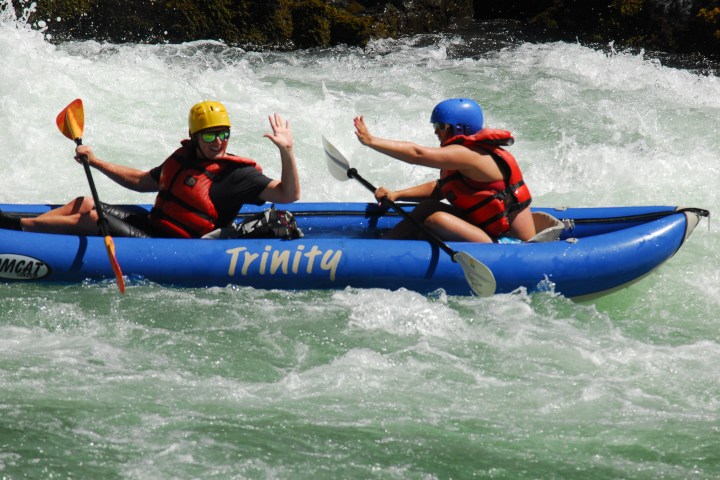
(209,137)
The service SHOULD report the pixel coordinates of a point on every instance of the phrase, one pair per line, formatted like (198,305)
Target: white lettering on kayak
(20,267)
(270,261)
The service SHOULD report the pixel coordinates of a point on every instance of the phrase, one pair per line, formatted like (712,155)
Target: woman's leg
(452,228)
(407,230)
(441,219)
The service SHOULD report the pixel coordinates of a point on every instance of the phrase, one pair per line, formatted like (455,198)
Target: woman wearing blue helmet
(486,196)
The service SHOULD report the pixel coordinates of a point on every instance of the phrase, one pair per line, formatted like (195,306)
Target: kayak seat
(548,227)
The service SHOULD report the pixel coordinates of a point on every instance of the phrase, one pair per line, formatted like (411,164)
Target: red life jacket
(487,204)
(183,207)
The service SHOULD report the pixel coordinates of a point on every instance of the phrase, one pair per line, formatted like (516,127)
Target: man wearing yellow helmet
(200,186)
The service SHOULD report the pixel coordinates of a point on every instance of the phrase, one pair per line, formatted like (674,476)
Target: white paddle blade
(477,274)
(337,163)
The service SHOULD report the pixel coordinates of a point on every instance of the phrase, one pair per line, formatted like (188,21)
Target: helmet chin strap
(196,147)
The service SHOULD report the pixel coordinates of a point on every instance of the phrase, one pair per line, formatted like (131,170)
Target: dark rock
(669,25)
(665,25)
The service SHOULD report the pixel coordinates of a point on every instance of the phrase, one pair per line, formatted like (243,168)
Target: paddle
(71,122)
(477,274)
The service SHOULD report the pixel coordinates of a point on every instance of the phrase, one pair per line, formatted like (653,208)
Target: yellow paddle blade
(110,247)
(71,120)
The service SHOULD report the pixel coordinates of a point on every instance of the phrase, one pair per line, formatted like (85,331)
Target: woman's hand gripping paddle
(71,122)
(477,274)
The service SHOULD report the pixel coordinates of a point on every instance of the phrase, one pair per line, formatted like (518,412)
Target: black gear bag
(270,223)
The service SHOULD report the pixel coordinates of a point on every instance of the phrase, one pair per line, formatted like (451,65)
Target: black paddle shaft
(353,173)
(102,221)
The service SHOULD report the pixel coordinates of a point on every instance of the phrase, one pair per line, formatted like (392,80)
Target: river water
(166,383)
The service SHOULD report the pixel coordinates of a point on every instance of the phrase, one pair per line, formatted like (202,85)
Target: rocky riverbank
(676,26)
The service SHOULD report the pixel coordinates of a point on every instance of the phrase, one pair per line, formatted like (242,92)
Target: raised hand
(282,135)
(361,130)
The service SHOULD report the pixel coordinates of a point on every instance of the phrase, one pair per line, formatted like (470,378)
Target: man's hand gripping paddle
(71,122)
(477,274)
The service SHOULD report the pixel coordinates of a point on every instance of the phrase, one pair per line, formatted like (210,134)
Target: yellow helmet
(207,114)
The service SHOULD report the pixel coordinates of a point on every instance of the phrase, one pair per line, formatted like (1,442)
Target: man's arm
(128,177)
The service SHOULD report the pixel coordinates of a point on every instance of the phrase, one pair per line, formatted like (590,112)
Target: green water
(341,385)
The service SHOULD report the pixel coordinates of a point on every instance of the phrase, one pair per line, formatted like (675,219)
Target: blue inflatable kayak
(581,252)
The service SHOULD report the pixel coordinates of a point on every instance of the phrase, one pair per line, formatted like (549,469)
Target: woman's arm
(471,163)
(416,193)
(451,157)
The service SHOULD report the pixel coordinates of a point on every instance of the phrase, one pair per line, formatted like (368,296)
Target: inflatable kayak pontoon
(583,252)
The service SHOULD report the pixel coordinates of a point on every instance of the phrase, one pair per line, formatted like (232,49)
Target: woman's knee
(427,208)
(437,219)
(443,223)
(452,227)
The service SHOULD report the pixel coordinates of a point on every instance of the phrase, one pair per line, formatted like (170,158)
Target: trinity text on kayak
(271,261)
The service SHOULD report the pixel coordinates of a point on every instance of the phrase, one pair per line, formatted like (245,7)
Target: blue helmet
(464,114)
